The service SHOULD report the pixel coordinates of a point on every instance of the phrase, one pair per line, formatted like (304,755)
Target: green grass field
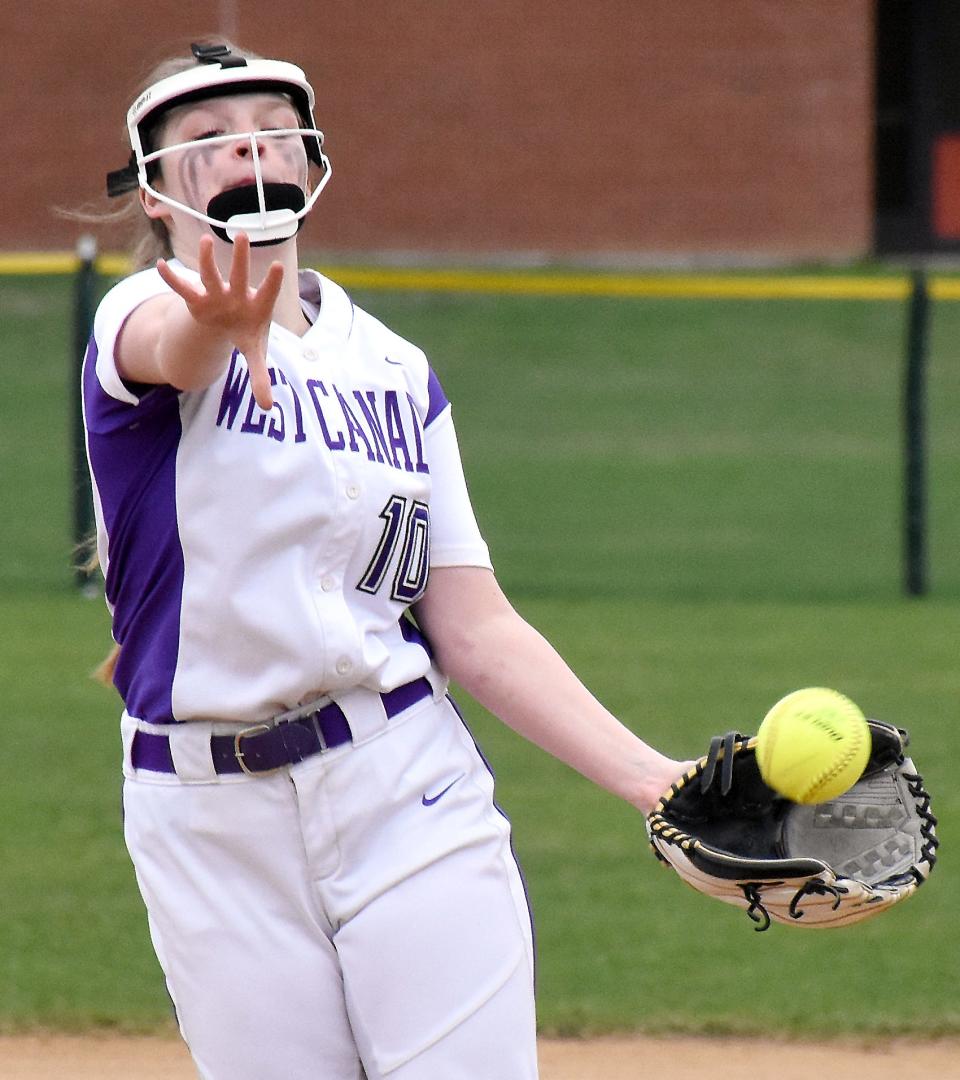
(699,503)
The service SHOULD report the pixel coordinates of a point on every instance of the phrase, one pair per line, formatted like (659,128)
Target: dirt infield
(105,1057)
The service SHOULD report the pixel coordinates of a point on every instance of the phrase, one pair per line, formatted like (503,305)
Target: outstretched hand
(240,311)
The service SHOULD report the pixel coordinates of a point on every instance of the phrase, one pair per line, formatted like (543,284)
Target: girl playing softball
(295,572)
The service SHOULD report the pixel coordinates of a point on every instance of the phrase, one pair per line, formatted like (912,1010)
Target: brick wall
(648,129)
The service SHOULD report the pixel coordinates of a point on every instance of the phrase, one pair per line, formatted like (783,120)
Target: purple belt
(262,748)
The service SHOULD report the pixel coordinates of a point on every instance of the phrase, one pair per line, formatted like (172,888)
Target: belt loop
(128,730)
(366,710)
(188,746)
(190,750)
(438,683)
(365,713)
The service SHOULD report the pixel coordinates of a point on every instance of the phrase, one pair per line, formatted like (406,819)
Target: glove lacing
(928,822)
(752,893)
(815,888)
(757,912)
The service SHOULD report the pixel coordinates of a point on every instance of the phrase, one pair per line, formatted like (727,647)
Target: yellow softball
(813,745)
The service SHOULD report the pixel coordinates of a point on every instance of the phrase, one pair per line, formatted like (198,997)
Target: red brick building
(630,130)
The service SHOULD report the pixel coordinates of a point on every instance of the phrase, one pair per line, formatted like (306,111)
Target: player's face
(197,173)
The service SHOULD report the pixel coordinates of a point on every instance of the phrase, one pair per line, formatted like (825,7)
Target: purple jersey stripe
(437,399)
(133,456)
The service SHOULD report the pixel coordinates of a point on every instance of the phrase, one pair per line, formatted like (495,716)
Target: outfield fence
(92,270)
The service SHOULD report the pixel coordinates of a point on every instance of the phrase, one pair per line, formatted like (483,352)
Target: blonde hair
(87,561)
(104,671)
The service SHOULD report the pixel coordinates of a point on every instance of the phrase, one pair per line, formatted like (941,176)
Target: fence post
(83,310)
(914,427)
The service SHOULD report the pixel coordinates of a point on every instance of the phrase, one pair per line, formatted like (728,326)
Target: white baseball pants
(338,919)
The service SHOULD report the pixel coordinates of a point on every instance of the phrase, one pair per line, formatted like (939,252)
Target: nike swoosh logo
(396,363)
(430,800)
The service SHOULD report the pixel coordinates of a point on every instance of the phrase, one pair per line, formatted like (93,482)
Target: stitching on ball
(837,768)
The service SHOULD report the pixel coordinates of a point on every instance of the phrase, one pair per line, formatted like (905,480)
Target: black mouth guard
(244,200)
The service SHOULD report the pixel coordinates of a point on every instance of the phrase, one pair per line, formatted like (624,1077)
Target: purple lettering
(395,433)
(334,444)
(301,435)
(369,409)
(234,388)
(353,426)
(249,425)
(275,430)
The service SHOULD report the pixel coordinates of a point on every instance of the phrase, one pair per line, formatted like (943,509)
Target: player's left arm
(486,647)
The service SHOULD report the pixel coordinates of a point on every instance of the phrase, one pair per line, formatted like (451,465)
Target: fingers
(263,301)
(209,277)
(243,313)
(183,288)
(260,382)
(265,295)
(207,265)
(255,354)
(240,265)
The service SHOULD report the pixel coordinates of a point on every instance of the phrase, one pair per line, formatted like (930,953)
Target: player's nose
(243,146)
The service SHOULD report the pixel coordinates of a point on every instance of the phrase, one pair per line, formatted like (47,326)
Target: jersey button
(328,583)
(353,491)
(344,666)
(310,354)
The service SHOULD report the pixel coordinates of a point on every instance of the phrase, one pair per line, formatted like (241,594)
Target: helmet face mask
(267,212)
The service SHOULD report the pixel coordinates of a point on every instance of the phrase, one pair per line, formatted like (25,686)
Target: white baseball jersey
(256,560)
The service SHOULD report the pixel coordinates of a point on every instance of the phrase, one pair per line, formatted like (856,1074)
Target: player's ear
(152,206)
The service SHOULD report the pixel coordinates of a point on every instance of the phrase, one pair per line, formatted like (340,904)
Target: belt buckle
(255,729)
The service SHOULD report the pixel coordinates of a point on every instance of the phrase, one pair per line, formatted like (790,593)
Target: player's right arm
(484,645)
(185,338)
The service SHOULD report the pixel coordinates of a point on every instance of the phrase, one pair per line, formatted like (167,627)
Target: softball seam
(838,766)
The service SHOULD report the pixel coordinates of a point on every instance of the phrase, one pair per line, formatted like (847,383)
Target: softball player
(294,571)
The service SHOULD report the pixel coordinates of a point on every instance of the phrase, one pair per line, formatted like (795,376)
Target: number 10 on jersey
(406,525)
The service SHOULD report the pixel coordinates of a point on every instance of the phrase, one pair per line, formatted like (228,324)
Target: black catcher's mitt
(731,837)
